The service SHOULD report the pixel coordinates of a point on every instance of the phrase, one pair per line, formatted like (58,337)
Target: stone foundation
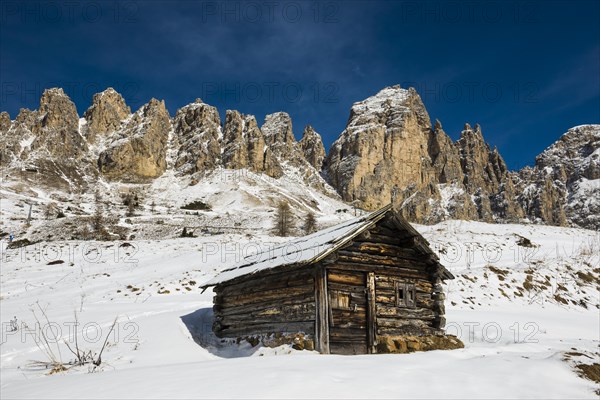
(409,344)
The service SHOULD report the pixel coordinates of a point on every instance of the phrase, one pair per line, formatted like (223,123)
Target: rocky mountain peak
(384,147)
(4,121)
(106,113)
(197,135)
(57,111)
(277,129)
(311,145)
(386,107)
(579,145)
(564,185)
(244,145)
(140,152)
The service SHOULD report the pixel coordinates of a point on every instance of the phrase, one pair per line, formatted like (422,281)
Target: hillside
(525,298)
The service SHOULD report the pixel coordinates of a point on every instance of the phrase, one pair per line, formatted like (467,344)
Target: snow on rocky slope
(525,303)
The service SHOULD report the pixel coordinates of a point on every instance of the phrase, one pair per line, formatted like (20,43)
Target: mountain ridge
(389,151)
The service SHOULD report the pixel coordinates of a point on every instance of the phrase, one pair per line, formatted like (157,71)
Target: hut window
(405,294)
(340,300)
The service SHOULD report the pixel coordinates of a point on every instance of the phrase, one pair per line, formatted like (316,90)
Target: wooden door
(348,312)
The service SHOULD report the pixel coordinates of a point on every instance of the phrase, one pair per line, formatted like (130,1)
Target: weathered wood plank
(258,297)
(384,311)
(371,313)
(322,311)
(388,249)
(363,258)
(381,269)
(359,335)
(378,238)
(345,277)
(227,309)
(405,330)
(423,301)
(299,312)
(401,322)
(348,348)
(245,329)
(388,280)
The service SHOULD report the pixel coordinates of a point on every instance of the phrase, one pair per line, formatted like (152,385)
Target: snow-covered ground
(527,313)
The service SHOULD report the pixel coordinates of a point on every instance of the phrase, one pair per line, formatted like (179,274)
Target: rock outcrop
(140,152)
(197,138)
(4,121)
(105,115)
(244,146)
(389,151)
(383,149)
(56,126)
(44,145)
(280,139)
(312,147)
(564,185)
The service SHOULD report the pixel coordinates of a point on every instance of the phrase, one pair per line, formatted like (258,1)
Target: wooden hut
(347,287)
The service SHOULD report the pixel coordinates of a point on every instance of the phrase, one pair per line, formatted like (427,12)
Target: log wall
(394,262)
(281,302)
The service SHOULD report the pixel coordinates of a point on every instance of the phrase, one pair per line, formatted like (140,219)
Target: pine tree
(98,217)
(310,224)
(130,209)
(284,219)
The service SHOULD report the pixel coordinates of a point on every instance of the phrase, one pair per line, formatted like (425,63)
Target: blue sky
(526,71)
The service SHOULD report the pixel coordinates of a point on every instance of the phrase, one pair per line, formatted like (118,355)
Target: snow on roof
(303,250)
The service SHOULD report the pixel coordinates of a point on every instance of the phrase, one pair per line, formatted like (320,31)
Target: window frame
(405,293)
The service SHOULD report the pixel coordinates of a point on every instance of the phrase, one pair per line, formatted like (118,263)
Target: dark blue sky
(526,71)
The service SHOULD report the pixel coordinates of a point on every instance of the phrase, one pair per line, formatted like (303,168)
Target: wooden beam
(322,311)
(371,314)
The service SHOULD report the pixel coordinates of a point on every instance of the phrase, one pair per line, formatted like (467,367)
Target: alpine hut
(352,288)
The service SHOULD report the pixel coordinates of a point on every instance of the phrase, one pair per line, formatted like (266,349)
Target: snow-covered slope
(525,303)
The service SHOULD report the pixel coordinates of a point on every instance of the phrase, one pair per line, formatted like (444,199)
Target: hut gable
(345,288)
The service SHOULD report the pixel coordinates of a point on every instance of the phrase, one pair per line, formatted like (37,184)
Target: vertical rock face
(56,126)
(8,141)
(57,111)
(4,122)
(312,147)
(487,178)
(445,156)
(106,113)
(280,140)
(383,148)
(235,151)
(564,184)
(197,135)
(244,146)
(477,161)
(279,137)
(140,153)
(46,142)
(277,129)
(389,151)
